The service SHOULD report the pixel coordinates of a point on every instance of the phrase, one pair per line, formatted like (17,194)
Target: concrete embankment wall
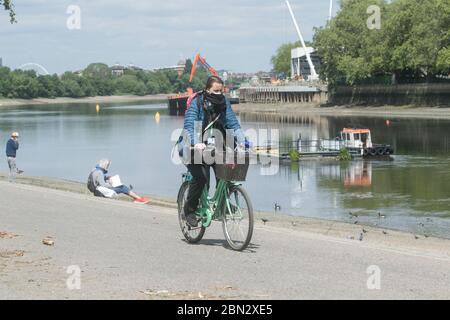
(431,95)
(283,94)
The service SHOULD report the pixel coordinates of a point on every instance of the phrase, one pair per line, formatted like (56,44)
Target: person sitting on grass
(101,185)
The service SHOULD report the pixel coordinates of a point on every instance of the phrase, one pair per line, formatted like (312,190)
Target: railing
(311,146)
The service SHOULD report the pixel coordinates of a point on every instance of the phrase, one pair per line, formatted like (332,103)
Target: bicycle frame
(211,208)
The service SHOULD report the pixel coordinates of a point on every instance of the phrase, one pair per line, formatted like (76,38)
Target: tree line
(97,80)
(411,43)
(9,7)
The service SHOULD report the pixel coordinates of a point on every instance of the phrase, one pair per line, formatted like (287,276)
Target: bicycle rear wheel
(237,219)
(192,235)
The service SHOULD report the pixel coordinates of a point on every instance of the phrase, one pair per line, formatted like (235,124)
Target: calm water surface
(413,189)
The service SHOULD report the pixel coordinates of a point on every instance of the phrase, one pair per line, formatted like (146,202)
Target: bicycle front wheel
(237,219)
(192,235)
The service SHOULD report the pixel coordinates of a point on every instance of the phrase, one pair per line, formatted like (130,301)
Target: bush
(294,155)
(344,155)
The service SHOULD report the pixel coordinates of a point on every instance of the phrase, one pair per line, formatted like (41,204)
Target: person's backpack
(90,183)
(192,98)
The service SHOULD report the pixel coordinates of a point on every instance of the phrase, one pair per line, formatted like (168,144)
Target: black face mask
(217,102)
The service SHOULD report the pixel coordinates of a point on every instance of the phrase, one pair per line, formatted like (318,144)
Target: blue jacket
(11,148)
(194,119)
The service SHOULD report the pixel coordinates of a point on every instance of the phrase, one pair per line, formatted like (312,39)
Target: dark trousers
(200,179)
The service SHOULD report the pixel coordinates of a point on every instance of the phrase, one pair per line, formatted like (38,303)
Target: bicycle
(230,204)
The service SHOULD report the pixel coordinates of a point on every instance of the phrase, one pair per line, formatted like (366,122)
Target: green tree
(415,34)
(163,80)
(350,51)
(281,61)
(45,87)
(5,82)
(140,89)
(97,71)
(24,85)
(125,84)
(152,86)
(96,79)
(188,67)
(9,6)
(87,86)
(72,89)
(412,42)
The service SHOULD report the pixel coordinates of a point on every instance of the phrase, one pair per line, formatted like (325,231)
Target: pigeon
(421,224)
(353,215)
(356,222)
(416,237)
(385,233)
(277,207)
(265,221)
(426,236)
(365,231)
(381,216)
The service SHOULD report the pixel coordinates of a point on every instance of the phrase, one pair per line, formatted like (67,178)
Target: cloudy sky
(240,35)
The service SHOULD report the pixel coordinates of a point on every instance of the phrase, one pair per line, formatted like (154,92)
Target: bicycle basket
(236,171)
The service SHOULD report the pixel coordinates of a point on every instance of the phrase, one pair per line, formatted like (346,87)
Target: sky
(236,35)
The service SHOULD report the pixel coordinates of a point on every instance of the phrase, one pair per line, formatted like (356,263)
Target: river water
(412,190)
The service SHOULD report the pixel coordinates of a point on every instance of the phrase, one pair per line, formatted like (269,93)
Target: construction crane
(330,13)
(199,58)
(314,75)
(178,104)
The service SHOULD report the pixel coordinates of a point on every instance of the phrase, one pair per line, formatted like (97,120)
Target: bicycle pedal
(192,228)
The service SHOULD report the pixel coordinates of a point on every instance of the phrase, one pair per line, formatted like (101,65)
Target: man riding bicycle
(212,110)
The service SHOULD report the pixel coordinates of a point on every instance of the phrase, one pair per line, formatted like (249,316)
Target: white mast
(331,11)
(308,57)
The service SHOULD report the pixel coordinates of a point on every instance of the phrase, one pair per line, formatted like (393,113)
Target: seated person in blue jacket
(211,108)
(100,186)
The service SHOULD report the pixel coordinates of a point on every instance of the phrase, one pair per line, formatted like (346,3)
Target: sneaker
(142,201)
(191,220)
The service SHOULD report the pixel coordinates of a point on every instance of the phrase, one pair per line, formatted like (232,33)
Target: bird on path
(265,221)
(353,215)
(277,207)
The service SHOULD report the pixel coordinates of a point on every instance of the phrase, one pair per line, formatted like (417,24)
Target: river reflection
(66,141)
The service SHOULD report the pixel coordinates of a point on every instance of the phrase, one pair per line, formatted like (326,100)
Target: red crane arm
(208,67)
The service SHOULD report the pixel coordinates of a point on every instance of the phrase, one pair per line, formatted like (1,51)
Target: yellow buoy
(157,117)
(97,108)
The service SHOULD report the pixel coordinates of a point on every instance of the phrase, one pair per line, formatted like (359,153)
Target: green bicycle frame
(211,208)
